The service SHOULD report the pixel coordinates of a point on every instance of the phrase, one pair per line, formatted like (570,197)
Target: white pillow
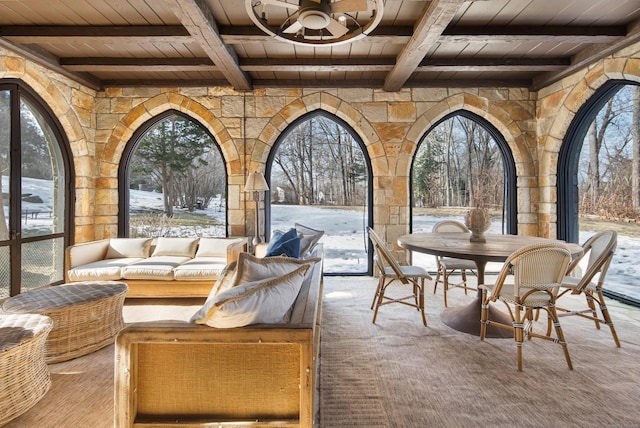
(214,247)
(251,268)
(180,247)
(309,237)
(128,247)
(266,301)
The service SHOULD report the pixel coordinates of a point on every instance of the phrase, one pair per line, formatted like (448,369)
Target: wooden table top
(496,248)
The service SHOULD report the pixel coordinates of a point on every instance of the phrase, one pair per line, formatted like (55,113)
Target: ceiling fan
(316,21)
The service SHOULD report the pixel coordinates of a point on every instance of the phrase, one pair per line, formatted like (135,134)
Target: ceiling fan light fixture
(314,19)
(316,22)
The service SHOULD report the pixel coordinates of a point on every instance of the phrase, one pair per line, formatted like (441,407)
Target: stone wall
(246,125)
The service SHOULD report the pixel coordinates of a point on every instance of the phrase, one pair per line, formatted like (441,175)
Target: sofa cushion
(251,268)
(287,243)
(155,267)
(109,269)
(179,247)
(128,247)
(264,301)
(214,247)
(200,268)
(309,237)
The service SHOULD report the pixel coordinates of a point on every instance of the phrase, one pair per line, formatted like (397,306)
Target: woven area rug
(398,373)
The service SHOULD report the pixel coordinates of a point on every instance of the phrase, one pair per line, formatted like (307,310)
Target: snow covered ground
(345,241)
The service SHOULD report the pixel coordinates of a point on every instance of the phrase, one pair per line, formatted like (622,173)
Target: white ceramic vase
(478,221)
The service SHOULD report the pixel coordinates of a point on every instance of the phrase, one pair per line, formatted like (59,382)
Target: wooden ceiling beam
(51,62)
(316,83)
(588,56)
(312,64)
(53,34)
(493,64)
(429,28)
(533,34)
(138,64)
(199,21)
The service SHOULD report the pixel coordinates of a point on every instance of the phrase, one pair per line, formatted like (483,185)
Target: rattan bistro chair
(391,271)
(447,265)
(598,251)
(535,272)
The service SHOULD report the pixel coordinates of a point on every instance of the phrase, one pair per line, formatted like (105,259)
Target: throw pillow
(309,238)
(251,268)
(128,247)
(266,301)
(180,247)
(284,244)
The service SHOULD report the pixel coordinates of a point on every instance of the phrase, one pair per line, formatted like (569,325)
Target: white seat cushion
(109,269)
(200,268)
(156,267)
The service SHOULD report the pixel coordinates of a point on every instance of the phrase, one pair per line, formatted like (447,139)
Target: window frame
(510,208)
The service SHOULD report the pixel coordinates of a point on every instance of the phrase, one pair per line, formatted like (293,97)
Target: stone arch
(560,108)
(298,108)
(503,120)
(58,101)
(109,159)
(509,125)
(152,107)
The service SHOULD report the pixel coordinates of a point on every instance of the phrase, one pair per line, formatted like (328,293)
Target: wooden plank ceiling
(418,43)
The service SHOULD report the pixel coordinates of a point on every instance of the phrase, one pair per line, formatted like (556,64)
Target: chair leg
(421,302)
(484,315)
(464,281)
(445,286)
(518,334)
(592,306)
(435,283)
(560,335)
(380,297)
(607,318)
(375,296)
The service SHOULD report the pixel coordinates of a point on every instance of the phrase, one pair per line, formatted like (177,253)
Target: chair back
(384,257)
(449,226)
(536,267)
(599,249)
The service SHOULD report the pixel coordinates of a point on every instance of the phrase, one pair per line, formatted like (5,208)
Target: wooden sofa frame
(183,374)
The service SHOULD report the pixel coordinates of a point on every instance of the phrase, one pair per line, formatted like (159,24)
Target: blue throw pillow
(284,243)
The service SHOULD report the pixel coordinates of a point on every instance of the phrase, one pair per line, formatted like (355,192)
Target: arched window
(598,179)
(173,181)
(320,176)
(36,174)
(462,162)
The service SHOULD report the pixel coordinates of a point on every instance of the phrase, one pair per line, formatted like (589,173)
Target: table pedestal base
(467,320)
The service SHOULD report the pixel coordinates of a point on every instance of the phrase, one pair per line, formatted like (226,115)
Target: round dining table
(496,248)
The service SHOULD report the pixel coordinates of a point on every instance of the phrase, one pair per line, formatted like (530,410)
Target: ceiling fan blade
(344,6)
(280,4)
(337,29)
(293,28)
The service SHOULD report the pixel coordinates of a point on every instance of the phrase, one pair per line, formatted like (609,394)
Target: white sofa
(158,267)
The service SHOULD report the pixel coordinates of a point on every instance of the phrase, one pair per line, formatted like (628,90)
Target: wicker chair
(598,252)
(449,265)
(536,271)
(391,271)
(24,374)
